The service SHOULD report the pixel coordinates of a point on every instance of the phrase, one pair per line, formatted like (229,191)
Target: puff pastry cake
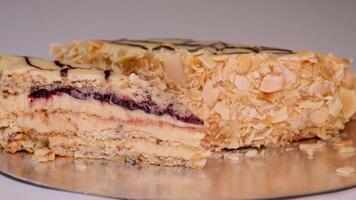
(246,95)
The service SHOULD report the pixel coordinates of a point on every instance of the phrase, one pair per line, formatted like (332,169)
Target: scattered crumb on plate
(345,171)
(251,153)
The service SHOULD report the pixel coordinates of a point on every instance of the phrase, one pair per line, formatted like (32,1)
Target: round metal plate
(276,174)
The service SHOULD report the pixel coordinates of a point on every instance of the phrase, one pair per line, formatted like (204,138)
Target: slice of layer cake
(53,108)
(246,95)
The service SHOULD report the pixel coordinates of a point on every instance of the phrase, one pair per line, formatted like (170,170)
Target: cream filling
(92,117)
(21,103)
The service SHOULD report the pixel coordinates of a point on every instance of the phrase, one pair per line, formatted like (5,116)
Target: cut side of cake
(54,108)
(246,95)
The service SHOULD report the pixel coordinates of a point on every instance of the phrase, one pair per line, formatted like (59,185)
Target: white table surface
(27,28)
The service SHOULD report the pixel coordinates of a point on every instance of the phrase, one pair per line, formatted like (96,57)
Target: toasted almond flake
(210,94)
(204,112)
(308,56)
(287,74)
(315,88)
(308,104)
(348,81)
(227,71)
(260,126)
(219,58)
(345,171)
(250,112)
(223,110)
(348,99)
(296,122)
(217,73)
(255,74)
(231,61)
(319,116)
(229,68)
(339,74)
(195,94)
(306,73)
(187,60)
(242,83)
(280,115)
(231,77)
(346,61)
(251,153)
(198,53)
(264,69)
(198,68)
(207,62)
(276,69)
(244,63)
(290,57)
(335,107)
(174,69)
(135,80)
(272,83)
(291,97)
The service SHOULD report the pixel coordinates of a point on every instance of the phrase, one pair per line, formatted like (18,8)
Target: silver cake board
(277,174)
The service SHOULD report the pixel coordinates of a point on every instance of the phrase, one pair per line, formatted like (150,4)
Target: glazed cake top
(214,47)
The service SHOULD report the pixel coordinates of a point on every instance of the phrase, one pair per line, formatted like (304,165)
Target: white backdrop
(27,28)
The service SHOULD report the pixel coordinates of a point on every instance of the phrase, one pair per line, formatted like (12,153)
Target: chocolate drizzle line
(107,74)
(64,71)
(27,59)
(192,46)
(131,44)
(163,47)
(59,64)
(147,105)
(64,67)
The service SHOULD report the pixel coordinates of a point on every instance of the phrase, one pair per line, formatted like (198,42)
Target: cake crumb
(341,143)
(311,147)
(232,155)
(43,155)
(217,155)
(288,149)
(345,171)
(251,153)
(262,153)
(347,149)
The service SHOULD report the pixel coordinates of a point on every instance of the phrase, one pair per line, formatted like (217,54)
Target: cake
(52,108)
(247,96)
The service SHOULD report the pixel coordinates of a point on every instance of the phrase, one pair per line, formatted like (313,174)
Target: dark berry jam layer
(148,106)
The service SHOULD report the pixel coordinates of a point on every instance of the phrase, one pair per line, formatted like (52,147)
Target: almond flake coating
(246,97)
